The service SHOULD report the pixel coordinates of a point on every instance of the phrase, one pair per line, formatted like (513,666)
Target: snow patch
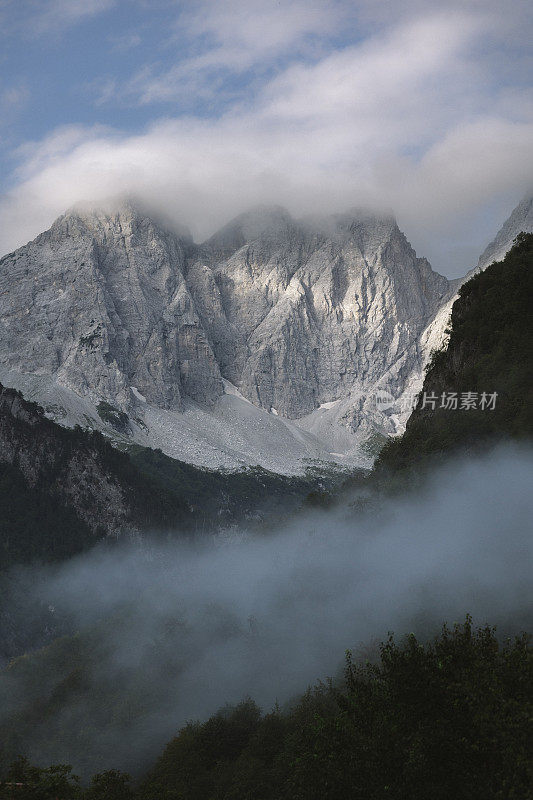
(137,394)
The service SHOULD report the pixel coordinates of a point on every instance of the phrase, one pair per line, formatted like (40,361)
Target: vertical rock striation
(301,313)
(306,318)
(100,302)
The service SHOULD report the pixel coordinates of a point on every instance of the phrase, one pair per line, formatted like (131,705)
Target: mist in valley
(167,631)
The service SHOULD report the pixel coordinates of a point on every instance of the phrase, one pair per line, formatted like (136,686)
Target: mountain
(265,344)
(316,309)
(63,490)
(480,384)
(63,704)
(99,301)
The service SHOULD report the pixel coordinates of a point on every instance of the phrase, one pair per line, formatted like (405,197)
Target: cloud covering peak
(317,108)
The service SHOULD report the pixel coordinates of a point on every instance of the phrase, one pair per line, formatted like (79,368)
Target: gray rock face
(301,313)
(298,315)
(100,302)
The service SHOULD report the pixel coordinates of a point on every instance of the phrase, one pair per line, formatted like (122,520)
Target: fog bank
(195,627)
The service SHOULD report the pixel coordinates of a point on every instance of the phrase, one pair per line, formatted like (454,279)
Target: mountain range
(267,344)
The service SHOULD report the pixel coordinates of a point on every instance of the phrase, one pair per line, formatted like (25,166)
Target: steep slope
(489,352)
(316,308)
(435,336)
(62,490)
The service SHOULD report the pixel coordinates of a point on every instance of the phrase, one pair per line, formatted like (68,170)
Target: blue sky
(206,108)
(113,63)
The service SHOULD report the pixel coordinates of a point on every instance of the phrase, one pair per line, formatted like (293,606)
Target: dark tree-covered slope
(490,351)
(62,490)
(450,718)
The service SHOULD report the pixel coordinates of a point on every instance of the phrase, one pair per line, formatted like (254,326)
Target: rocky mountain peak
(100,302)
(298,315)
(300,305)
(117,217)
(259,224)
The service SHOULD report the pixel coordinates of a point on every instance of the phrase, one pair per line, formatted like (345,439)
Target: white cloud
(408,118)
(213,41)
(40,17)
(262,26)
(400,85)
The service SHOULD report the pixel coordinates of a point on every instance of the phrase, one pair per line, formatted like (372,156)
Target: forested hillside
(484,377)
(450,718)
(441,720)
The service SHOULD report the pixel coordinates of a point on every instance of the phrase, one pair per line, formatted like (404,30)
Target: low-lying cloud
(195,627)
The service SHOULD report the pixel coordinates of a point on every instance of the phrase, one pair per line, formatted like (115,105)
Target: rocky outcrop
(67,466)
(311,310)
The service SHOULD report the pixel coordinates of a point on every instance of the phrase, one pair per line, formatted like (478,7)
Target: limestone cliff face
(296,314)
(100,302)
(299,315)
(307,319)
